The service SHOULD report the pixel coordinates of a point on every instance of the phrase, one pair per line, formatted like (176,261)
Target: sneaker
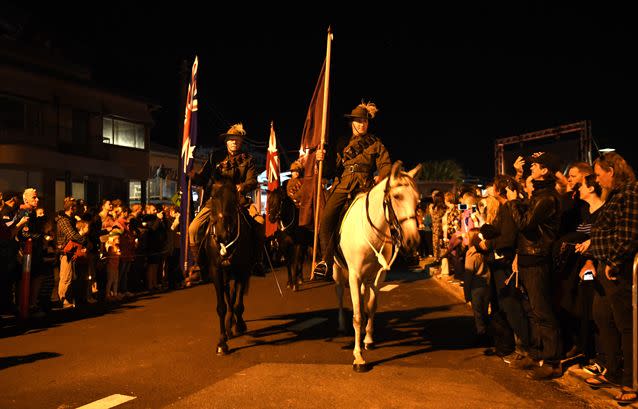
(321,269)
(67,304)
(524,363)
(514,356)
(544,372)
(595,369)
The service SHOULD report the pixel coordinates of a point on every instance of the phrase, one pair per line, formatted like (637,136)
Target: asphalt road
(159,351)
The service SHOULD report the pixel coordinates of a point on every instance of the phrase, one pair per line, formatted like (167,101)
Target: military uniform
(356,165)
(238,167)
(293,190)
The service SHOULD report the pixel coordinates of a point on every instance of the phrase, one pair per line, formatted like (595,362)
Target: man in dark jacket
(538,225)
(355,167)
(235,165)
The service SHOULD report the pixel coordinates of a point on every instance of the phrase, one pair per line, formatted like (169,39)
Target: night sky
(447,81)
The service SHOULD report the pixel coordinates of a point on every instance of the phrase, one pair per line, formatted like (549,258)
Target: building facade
(61,134)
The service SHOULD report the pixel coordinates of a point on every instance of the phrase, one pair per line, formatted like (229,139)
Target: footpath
(573,379)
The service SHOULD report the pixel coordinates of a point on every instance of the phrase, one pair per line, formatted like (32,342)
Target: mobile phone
(462,206)
(588,275)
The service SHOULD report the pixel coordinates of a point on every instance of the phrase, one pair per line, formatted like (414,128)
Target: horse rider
(293,185)
(362,154)
(240,168)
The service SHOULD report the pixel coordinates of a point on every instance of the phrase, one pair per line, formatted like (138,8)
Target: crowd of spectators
(82,254)
(545,258)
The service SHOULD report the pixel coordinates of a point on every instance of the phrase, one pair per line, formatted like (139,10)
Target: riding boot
(193,270)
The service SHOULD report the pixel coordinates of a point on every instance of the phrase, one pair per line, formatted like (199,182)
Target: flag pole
(189,139)
(323,141)
(186,219)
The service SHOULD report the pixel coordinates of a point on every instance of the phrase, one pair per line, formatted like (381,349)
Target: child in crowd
(113,253)
(477,288)
(81,276)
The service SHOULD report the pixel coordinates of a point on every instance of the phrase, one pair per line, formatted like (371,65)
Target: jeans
(613,315)
(509,301)
(545,330)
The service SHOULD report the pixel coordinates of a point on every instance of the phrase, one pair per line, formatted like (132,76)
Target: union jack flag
(272,173)
(186,158)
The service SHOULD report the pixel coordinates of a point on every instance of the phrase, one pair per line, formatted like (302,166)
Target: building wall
(60,140)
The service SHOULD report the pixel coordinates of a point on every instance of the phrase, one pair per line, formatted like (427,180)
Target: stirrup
(321,269)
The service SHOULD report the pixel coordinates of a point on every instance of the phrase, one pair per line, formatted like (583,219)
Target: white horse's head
(404,197)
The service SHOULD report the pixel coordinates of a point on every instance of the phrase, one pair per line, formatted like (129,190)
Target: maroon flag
(310,139)
(272,173)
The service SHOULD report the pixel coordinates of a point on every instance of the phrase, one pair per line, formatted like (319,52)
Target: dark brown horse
(293,241)
(228,254)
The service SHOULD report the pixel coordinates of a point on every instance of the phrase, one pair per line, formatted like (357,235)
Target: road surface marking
(307,324)
(108,402)
(389,287)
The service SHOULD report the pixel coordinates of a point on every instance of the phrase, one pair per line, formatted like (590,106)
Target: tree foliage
(444,170)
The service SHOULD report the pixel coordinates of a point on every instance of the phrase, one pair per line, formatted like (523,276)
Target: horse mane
(225,197)
(402,175)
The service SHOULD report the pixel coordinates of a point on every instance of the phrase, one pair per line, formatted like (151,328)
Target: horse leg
(300,259)
(339,287)
(290,282)
(238,308)
(359,364)
(297,264)
(222,344)
(229,317)
(371,308)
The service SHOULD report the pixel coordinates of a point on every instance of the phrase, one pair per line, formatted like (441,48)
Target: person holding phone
(614,242)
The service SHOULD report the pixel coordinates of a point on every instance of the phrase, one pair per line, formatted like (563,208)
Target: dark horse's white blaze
(227,253)
(366,243)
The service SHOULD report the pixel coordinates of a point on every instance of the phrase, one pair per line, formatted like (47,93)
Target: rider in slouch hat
(235,165)
(356,164)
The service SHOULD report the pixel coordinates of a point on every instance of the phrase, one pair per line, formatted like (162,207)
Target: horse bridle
(396,231)
(278,214)
(223,248)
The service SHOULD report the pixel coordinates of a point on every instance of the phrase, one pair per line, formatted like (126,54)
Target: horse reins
(223,248)
(396,232)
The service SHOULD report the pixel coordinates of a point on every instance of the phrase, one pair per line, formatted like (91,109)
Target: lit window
(122,133)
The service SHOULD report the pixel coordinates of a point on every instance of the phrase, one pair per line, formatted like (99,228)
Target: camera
(462,206)
(588,275)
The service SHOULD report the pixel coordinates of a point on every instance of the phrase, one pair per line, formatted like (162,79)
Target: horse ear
(396,169)
(414,171)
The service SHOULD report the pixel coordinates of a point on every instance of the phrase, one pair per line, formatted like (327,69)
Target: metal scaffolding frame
(584,141)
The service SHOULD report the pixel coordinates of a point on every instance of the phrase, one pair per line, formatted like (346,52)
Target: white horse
(376,224)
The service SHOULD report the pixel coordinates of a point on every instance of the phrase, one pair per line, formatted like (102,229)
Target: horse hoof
(222,350)
(369,347)
(360,368)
